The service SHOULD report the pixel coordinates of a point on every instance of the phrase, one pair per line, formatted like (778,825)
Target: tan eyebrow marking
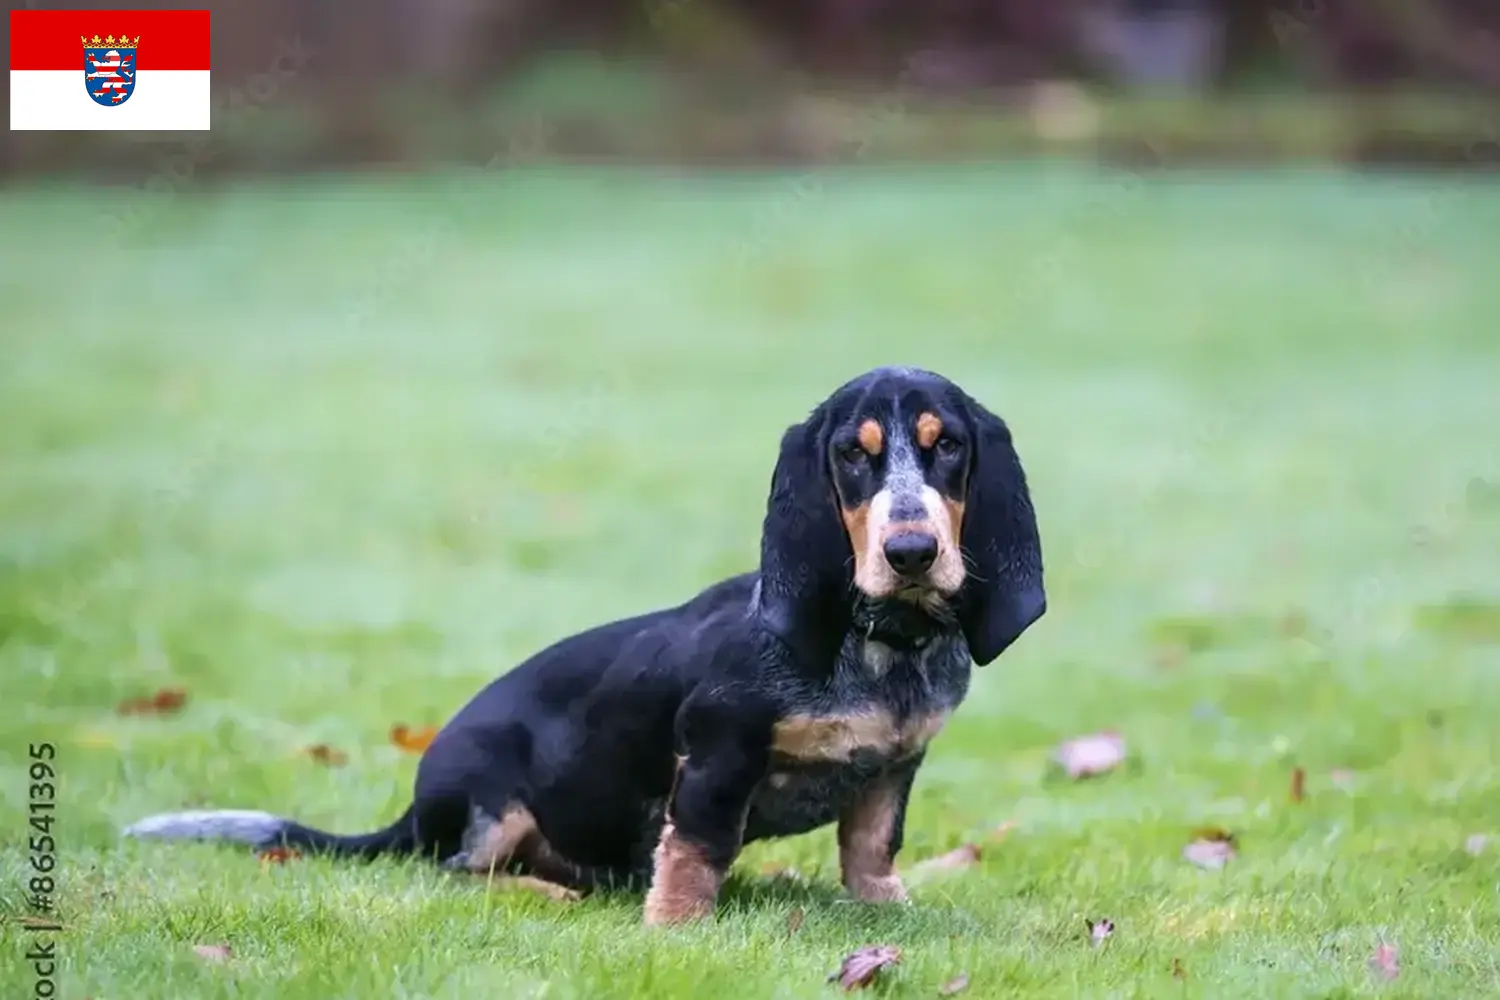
(929,427)
(871,437)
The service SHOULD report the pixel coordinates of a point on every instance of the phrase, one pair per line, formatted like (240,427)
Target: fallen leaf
(1299,784)
(325,754)
(1178,972)
(277,855)
(966,856)
(169,700)
(416,740)
(1087,756)
(1385,962)
(1476,843)
(1211,848)
(861,967)
(957,984)
(163,702)
(1100,929)
(794,920)
(214,952)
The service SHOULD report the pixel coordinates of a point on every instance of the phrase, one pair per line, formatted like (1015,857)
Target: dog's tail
(262,830)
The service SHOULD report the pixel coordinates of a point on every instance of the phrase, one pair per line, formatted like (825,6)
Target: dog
(899,548)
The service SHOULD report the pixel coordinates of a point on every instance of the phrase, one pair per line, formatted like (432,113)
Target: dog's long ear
(1003,594)
(805,555)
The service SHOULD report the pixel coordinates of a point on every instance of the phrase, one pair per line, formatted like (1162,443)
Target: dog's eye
(947,447)
(851,454)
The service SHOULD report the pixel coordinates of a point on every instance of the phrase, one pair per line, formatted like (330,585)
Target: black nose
(911,553)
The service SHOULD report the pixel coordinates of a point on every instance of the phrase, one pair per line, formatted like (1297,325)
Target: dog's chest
(875,716)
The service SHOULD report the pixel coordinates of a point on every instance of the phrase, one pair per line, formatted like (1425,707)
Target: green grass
(331,456)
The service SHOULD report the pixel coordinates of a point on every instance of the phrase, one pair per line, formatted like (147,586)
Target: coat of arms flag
(142,69)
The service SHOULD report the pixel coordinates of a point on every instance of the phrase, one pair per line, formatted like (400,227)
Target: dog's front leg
(871,830)
(705,820)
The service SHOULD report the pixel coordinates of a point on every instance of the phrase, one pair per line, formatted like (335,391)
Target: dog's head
(900,487)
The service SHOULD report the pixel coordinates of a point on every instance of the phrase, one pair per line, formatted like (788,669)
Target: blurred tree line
(353,75)
(468,44)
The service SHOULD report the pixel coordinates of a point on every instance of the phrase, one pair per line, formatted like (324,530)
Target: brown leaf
(860,968)
(214,952)
(416,740)
(957,984)
(277,855)
(1087,756)
(1299,784)
(1385,963)
(794,920)
(1178,972)
(1211,848)
(1100,929)
(163,702)
(1002,831)
(966,856)
(325,754)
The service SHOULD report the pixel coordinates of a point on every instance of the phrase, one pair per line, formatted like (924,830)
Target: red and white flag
(90,70)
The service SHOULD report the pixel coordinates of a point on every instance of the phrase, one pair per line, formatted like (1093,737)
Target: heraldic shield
(109,68)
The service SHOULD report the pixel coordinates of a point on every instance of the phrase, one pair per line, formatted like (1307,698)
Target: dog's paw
(541,887)
(879,889)
(553,891)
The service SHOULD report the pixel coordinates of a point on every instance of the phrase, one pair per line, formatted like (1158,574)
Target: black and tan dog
(899,542)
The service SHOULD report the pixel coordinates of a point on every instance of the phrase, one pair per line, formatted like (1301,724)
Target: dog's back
(586,719)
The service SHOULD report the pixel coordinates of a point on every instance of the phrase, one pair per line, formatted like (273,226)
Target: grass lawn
(329,457)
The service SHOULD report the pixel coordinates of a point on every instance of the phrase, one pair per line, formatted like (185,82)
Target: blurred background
(394,84)
(466,305)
